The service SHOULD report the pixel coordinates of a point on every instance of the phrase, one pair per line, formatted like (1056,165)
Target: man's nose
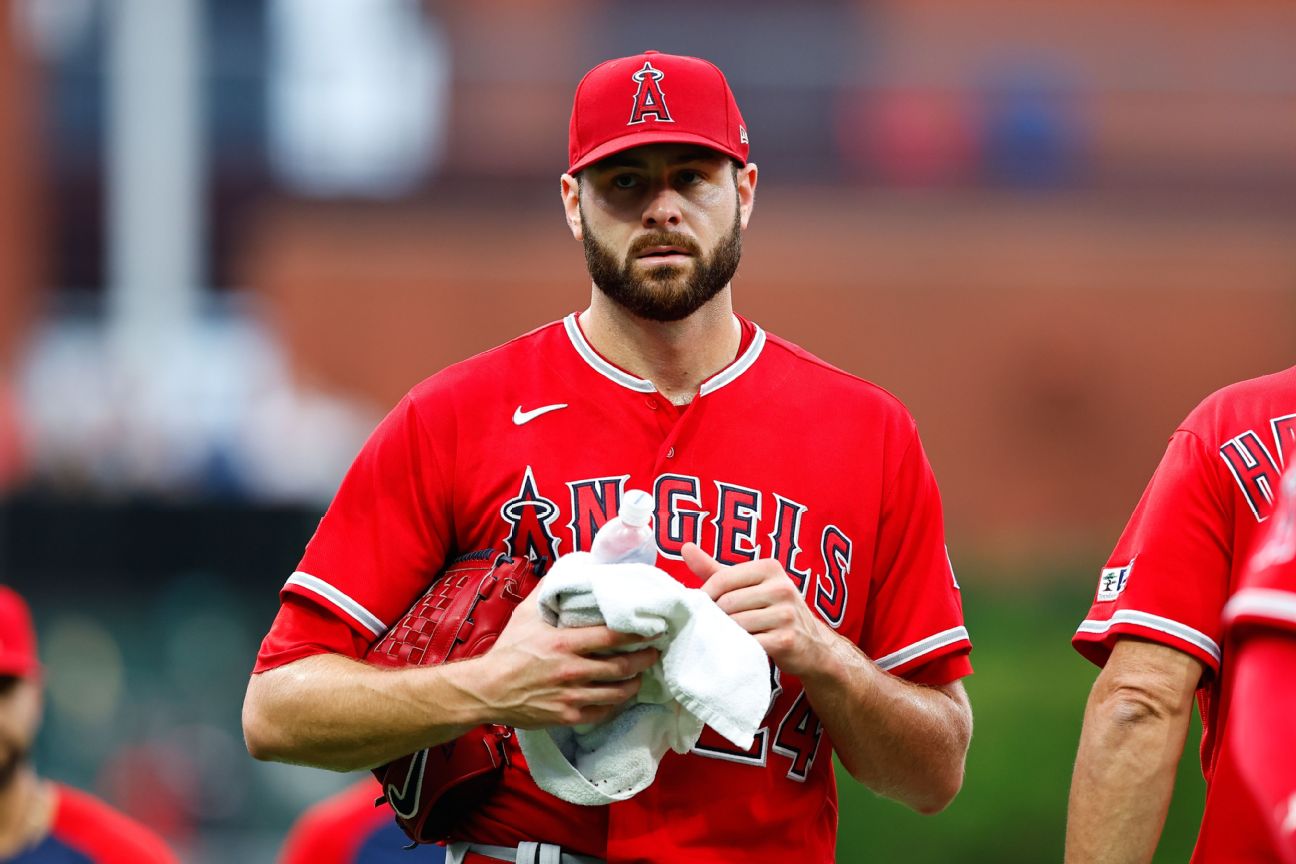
(663,210)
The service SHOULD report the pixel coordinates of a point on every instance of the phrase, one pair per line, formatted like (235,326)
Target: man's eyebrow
(623,160)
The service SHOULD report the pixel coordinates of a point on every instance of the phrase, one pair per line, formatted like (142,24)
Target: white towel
(711,672)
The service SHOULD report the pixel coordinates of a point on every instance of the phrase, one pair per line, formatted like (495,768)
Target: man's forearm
(1124,777)
(334,712)
(1135,725)
(901,739)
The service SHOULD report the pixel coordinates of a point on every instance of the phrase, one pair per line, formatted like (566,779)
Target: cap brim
(18,666)
(656,135)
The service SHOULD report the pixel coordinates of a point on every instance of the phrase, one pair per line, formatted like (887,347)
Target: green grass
(1028,695)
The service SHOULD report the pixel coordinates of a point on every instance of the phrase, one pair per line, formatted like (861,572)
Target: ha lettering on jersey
(1255,467)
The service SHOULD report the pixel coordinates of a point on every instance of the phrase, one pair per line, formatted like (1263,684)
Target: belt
(523,853)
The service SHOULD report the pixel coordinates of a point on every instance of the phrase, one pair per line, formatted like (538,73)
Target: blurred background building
(234,232)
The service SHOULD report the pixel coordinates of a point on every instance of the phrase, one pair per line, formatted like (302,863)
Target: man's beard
(661,294)
(12,759)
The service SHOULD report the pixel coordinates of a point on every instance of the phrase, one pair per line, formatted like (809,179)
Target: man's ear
(571,189)
(745,179)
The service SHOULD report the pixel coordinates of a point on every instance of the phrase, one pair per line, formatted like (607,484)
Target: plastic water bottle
(629,537)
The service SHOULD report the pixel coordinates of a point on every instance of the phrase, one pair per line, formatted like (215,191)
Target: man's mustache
(663,238)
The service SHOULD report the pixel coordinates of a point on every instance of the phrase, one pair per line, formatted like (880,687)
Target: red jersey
(1257,764)
(347,828)
(529,447)
(1183,551)
(87,831)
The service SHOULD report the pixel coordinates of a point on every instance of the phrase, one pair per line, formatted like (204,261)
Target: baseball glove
(460,616)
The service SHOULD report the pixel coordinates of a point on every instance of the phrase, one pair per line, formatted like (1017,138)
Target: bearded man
(796,496)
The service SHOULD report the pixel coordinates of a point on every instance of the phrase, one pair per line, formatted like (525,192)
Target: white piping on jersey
(316,585)
(925,646)
(726,376)
(739,366)
(1153,622)
(1262,602)
(601,366)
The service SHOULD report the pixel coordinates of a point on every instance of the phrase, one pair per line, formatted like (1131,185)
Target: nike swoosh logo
(520,417)
(405,801)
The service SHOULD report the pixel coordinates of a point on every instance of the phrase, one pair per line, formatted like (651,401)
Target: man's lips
(662,251)
(663,255)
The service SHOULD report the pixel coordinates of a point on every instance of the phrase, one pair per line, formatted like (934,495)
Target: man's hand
(538,675)
(760,597)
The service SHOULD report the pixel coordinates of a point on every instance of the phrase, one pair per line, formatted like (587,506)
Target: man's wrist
(463,687)
(835,661)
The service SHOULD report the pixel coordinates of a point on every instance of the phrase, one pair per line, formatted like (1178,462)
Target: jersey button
(670,454)
(651,402)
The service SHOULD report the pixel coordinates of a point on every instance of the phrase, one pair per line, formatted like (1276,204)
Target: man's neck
(676,356)
(26,812)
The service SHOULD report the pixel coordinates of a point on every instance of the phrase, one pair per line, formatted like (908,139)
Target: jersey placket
(670,421)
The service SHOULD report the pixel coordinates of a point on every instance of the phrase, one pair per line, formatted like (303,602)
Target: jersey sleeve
(1168,577)
(914,619)
(387,531)
(105,835)
(333,830)
(304,628)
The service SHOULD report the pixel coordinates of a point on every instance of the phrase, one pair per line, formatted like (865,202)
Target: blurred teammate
(796,495)
(347,828)
(1155,627)
(1259,758)
(43,822)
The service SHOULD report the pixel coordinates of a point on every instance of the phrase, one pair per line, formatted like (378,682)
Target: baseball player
(794,494)
(1257,766)
(347,828)
(43,822)
(1155,626)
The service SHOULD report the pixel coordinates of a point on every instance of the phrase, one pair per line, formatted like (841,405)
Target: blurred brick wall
(1047,346)
(21,223)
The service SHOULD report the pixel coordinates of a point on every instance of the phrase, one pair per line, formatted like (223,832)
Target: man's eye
(625,181)
(688,178)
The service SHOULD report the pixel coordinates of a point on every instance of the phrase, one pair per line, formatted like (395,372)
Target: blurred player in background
(1155,628)
(1259,758)
(43,822)
(795,495)
(347,828)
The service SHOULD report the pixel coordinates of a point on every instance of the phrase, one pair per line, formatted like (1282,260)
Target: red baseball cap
(653,98)
(17,636)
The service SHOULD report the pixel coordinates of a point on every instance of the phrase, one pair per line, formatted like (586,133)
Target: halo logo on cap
(648,99)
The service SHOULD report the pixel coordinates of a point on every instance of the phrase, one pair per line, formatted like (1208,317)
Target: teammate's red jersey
(347,828)
(1182,553)
(88,831)
(1257,764)
(529,447)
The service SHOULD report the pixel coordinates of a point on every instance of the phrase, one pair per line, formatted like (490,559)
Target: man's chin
(663,274)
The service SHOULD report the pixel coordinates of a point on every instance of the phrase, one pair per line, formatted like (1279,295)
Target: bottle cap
(636,507)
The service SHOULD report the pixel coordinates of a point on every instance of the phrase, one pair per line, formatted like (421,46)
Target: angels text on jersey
(682,504)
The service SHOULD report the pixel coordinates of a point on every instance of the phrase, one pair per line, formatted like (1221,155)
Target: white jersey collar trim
(640,385)
(601,366)
(730,373)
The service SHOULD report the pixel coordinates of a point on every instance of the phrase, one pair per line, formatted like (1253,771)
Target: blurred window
(356,96)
